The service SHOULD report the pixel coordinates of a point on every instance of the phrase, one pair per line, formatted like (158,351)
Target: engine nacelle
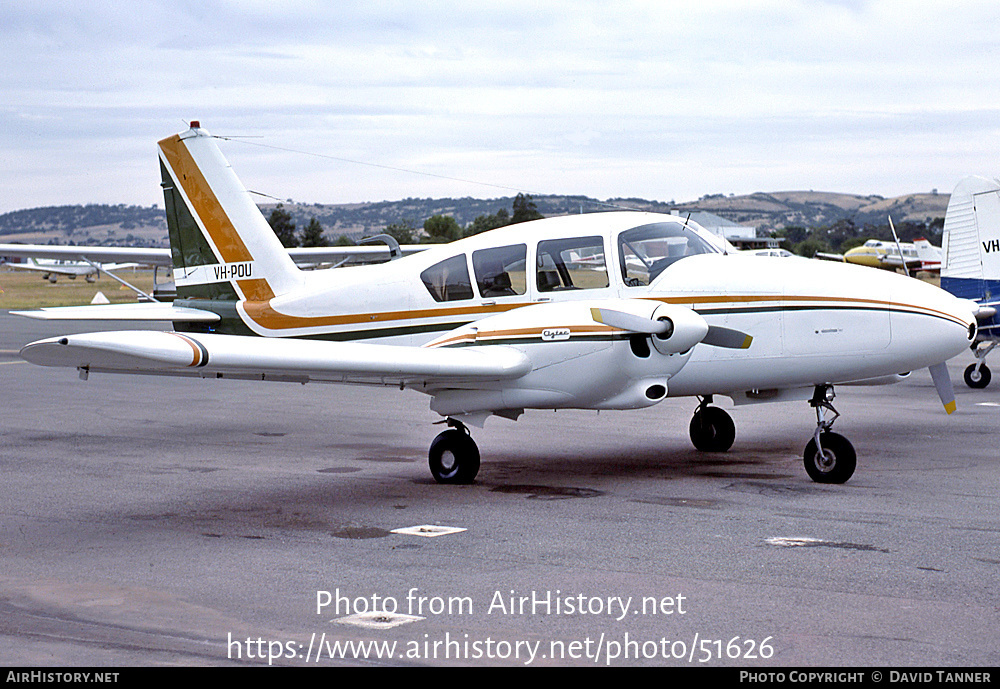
(577,361)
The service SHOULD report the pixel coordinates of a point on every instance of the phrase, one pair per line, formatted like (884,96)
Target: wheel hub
(448,461)
(825,460)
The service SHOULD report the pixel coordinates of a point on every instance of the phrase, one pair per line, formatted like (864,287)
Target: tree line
(437,229)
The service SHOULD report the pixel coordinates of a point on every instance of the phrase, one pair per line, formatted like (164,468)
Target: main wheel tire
(837,462)
(977,379)
(454,458)
(712,430)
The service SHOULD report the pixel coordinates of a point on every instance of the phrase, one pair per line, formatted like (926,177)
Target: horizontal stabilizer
(150,311)
(229,356)
(984,312)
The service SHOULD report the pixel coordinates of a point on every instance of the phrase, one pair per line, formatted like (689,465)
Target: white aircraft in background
(51,269)
(971,267)
(509,320)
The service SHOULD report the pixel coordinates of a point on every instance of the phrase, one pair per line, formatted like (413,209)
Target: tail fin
(971,265)
(221,245)
(929,255)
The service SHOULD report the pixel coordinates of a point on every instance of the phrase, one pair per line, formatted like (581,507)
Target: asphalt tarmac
(158,521)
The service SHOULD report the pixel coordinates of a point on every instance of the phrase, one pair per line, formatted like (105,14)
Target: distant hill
(90,225)
(123,225)
(813,209)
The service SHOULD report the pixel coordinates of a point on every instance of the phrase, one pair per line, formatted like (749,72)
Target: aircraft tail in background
(970,268)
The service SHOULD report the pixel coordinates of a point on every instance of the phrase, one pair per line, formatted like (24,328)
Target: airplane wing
(829,257)
(161,257)
(98,254)
(35,267)
(893,261)
(279,359)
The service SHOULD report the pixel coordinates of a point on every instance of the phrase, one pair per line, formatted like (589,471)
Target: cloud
(667,100)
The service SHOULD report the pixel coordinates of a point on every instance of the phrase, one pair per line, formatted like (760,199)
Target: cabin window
(644,252)
(574,263)
(500,272)
(448,280)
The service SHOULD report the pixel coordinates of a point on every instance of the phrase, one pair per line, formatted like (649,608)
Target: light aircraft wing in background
(161,257)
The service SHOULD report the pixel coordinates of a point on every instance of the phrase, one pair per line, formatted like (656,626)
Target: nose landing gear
(978,375)
(829,457)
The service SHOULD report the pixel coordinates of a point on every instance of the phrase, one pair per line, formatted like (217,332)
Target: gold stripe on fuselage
(725,300)
(264,315)
(485,336)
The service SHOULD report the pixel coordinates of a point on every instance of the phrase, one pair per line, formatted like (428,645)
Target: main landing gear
(978,375)
(829,457)
(454,456)
(711,429)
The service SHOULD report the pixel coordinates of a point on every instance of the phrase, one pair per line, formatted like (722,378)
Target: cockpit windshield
(644,252)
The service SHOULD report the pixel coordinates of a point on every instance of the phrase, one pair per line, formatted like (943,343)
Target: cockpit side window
(448,280)
(572,263)
(500,271)
(644,252)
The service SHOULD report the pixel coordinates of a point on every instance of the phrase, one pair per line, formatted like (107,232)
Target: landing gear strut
(829,457)
(711,429)
(454,456)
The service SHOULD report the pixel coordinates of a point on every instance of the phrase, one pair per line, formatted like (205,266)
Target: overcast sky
(659,100)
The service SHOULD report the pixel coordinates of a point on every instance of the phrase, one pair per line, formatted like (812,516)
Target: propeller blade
(631,322)
(727,337)
(899,249)
(942,381)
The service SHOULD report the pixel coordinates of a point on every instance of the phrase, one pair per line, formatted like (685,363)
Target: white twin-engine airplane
(514,319)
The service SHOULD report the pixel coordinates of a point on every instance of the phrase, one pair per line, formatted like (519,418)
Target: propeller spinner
(692,331)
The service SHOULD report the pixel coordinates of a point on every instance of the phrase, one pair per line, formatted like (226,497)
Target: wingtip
(40,315)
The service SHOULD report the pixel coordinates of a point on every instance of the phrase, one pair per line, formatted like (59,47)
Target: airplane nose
(932,323)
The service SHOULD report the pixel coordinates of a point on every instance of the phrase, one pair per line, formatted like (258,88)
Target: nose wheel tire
(837,461)
(712,429)
(977,379)
(454,457)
